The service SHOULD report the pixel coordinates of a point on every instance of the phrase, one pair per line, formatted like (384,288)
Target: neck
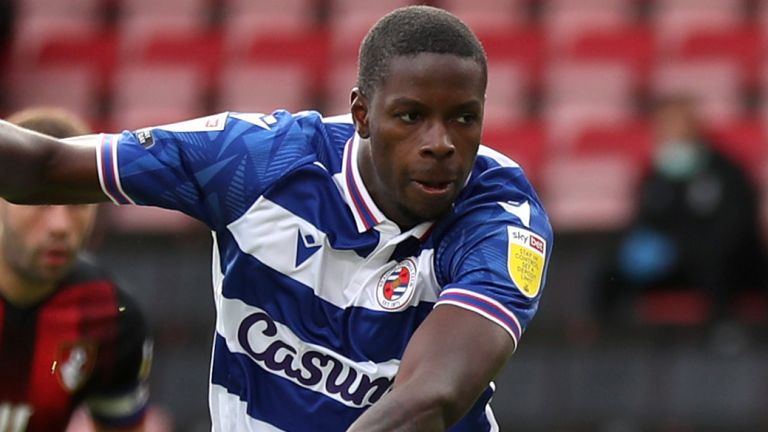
(19,290)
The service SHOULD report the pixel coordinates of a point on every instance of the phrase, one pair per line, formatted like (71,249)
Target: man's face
(39,243)
(424,124)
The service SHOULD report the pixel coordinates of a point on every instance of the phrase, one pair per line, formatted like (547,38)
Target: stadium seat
(32,33)
(149,95)
(96,52)
(526,143)
(137,32)
(195,10)
(257,87)
(585,94)
(308,49)
(566,19)
(489,15)
(680,307)
(594,193)
(506,95)
(68,87)
(341,79)
(86,10)
(743,45)
(524,46)
(745,140)
(714,85)
(632,46)
(674,19)
(632,140)
(201,50)
(245,21)
(349,21)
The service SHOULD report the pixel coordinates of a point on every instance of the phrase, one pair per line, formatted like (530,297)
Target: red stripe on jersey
(71,326)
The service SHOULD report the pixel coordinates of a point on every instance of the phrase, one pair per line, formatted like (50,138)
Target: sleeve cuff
(109,176)
(485,306)
(122,410)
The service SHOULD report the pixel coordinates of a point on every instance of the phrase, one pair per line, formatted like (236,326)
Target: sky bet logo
(310,368)
(530,239)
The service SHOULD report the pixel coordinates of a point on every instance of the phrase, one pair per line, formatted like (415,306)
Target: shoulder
(497,196)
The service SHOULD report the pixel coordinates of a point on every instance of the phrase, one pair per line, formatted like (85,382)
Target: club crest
(74,364)
(396,286)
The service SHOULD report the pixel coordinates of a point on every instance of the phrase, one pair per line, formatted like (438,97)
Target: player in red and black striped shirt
(68,335)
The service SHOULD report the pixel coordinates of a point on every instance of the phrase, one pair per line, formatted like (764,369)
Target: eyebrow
(404,100)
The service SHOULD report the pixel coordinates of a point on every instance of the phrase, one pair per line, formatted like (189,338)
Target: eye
(466,119)
(408,117)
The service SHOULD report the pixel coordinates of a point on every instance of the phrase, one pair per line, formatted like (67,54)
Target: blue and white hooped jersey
(317,292)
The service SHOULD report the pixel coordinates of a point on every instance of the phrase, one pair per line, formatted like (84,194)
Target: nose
(437,142)
(59,220)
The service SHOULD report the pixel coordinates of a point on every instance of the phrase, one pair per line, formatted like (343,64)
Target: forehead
(430,73)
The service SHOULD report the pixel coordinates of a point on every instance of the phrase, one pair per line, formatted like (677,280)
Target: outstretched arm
(449,362)
(38,169)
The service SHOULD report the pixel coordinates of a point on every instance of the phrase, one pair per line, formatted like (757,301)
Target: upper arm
(38,169)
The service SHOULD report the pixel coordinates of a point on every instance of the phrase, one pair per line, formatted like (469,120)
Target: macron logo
(306,246)
(521,210)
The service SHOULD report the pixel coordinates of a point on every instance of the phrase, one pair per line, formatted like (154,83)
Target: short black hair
(410,31)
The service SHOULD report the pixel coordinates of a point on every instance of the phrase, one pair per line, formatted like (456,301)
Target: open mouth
(434,187)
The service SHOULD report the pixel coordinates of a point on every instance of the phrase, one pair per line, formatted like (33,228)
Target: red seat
(200,50)
(488,15)
(566,19)
(588,193)
(673,20)
(679,307)
(149,95)
(583,94)
(632,139)
(68,87)
(632,46)
(525,143)
(523,46)
(506,95)
(245,21)
(745,141)
(713,84)
(308,49)
(263,88)
(741,45)
(97,52)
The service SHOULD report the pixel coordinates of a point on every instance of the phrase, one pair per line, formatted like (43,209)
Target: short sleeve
(122,399)
(494,262)
(212,168)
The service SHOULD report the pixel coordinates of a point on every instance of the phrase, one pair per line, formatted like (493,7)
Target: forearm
(38,169)
(22,159)
(399,411)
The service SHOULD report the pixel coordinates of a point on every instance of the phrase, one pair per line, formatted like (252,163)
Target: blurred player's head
(679,151)
(418,108)
(39,243)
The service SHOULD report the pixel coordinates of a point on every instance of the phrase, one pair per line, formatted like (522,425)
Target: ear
(360,106)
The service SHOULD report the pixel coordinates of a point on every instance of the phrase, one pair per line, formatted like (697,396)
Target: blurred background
(647,322)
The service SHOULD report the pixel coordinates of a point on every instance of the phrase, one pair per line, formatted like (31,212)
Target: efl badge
(396,287)
(74,364)
(525,260)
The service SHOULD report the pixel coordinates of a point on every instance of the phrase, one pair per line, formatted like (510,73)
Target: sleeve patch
(526,256)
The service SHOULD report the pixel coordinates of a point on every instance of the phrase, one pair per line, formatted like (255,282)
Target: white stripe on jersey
(500,158)
(235,314)
(231,413)
(341,277)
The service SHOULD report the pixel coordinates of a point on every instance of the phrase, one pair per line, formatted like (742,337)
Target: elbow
(441,406)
